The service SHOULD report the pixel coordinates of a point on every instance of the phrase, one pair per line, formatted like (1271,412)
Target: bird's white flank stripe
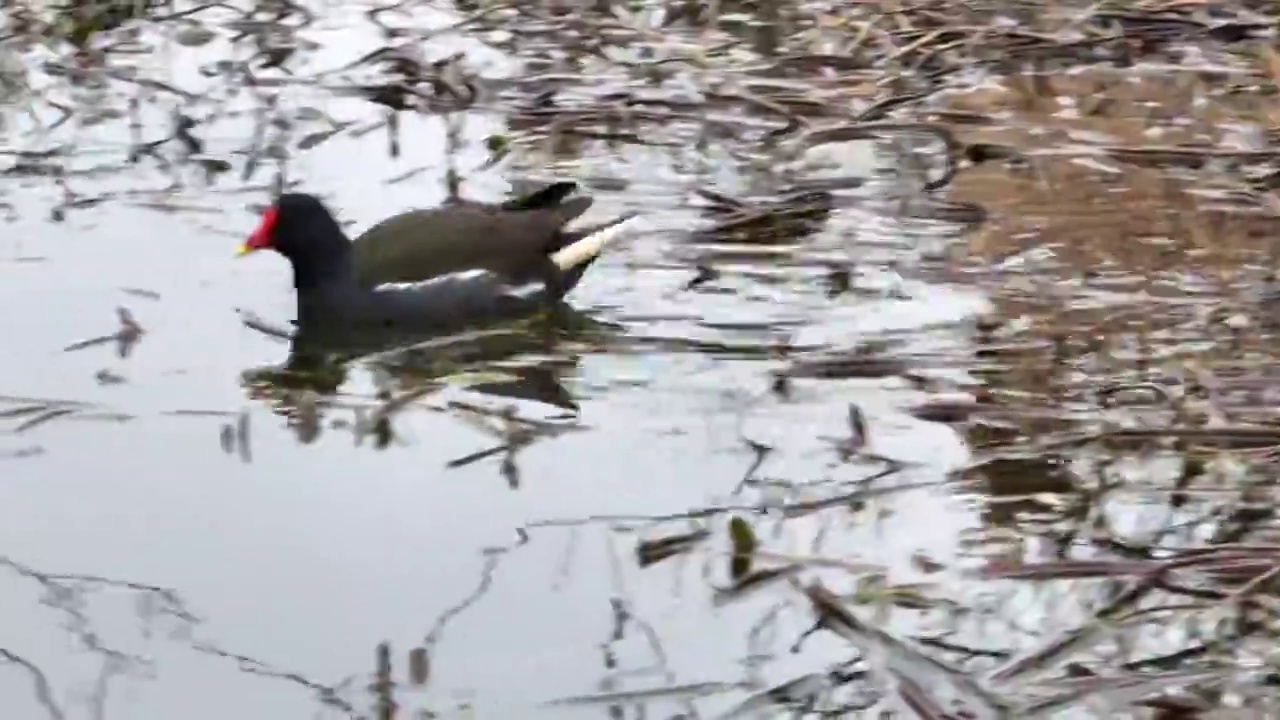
(591,245)
(453,277)
(524,292)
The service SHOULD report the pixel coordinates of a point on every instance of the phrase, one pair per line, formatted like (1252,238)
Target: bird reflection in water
(306,387)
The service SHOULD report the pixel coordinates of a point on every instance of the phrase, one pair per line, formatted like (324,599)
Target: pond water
(149,573)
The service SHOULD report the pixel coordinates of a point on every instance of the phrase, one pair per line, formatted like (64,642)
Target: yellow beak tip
(243,250)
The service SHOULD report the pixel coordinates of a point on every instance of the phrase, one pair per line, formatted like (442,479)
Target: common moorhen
(497,262)
(507,237)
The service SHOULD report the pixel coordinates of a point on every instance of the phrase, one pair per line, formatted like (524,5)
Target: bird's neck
(331,273)
(330,264)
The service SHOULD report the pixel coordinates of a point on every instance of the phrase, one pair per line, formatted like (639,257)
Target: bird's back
(421,244)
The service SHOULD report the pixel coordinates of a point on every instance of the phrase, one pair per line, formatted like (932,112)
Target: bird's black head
(301,228)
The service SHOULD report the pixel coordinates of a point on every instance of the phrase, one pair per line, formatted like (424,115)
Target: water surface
(304,559)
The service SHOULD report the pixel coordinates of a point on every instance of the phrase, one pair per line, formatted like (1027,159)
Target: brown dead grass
(1140,219)
(1098,213)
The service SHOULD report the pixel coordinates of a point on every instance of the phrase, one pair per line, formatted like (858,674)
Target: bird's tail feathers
(590,242)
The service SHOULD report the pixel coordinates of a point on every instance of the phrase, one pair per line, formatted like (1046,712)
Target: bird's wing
(422,243)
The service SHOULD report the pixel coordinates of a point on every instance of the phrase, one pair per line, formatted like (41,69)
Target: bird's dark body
(444,305)
(426,272)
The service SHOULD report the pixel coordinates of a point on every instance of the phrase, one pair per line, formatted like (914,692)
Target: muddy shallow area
(948,330)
